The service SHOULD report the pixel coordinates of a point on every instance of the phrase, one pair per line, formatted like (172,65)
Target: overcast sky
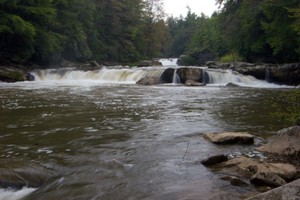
(178,7)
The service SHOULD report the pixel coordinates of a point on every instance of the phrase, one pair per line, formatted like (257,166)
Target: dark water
(127,141)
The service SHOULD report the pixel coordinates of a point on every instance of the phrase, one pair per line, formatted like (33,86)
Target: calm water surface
(110,141)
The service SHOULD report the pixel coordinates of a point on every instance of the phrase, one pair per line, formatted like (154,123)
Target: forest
(45,32)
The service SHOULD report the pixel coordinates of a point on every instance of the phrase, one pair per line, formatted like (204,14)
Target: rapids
(105,137)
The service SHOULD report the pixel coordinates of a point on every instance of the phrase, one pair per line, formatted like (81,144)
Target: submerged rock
(212,160)
(149,81)
(230,138)
(235,181)
(193,83)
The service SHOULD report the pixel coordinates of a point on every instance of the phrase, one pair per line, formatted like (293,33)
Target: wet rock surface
(149,81)
(261,171)
(230,138)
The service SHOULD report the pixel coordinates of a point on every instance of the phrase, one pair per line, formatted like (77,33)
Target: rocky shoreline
(272,165)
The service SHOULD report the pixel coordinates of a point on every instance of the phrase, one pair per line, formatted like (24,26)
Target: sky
(178,7)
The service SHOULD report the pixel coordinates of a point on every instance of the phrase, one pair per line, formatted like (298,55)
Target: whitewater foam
(10,194)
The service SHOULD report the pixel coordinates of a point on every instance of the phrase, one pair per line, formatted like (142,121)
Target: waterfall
(128,76)
(224,77)
(176,78)
(169,62)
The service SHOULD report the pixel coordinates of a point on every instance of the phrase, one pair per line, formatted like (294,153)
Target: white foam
(9,194)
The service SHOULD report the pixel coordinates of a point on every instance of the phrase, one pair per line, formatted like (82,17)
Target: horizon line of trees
(243,30)
(45,32)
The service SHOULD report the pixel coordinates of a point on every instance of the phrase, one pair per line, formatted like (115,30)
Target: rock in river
(285,143)
(230,138)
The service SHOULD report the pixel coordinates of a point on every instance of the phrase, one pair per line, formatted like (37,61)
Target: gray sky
(178,7)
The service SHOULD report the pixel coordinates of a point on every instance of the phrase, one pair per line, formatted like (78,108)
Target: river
(118,140)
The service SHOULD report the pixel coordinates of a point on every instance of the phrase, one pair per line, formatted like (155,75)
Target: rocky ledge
(277,166)
(288,74)
(14,74)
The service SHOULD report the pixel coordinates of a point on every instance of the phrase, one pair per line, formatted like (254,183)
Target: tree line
(45,32)
(247,30)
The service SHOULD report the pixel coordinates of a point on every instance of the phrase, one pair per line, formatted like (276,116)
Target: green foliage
(232,57)
(257,30)
(287,107)
(47,31)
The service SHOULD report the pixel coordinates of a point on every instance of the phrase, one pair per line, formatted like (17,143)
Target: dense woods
(248,30)
(45,32)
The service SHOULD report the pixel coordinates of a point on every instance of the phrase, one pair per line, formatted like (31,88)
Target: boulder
(193,83)
(196,58)
(232,85)
(149,63)
(190,73)
(267,178)
(288,191)
(288,74)
(235,181)
(230,138)
(212,160)
(258,71)
(260,173)
(149,81)
(285,143)
(167,75)
(10,74)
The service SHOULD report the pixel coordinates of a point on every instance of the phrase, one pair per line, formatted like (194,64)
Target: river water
(110,140)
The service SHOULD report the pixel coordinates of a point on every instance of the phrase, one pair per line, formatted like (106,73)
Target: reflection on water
(128,141)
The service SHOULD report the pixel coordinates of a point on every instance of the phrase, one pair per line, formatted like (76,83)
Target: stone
(285,143)
(267,178)
(235,181)
(149,81)
(230,138)
(273,174)
(149,63)
(11,74)
(167,75)
(290,191)
(190,73)
(284,170)
(193,83)
(212,160)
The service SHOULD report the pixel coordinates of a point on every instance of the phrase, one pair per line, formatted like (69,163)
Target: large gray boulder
(285,143)
(190,73)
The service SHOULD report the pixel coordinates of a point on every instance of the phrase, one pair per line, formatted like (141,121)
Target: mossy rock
(12,74)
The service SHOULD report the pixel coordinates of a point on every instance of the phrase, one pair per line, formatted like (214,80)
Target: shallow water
(124,141)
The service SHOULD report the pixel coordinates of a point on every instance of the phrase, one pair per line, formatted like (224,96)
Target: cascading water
(128,76)
(224,77)
(176,78)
